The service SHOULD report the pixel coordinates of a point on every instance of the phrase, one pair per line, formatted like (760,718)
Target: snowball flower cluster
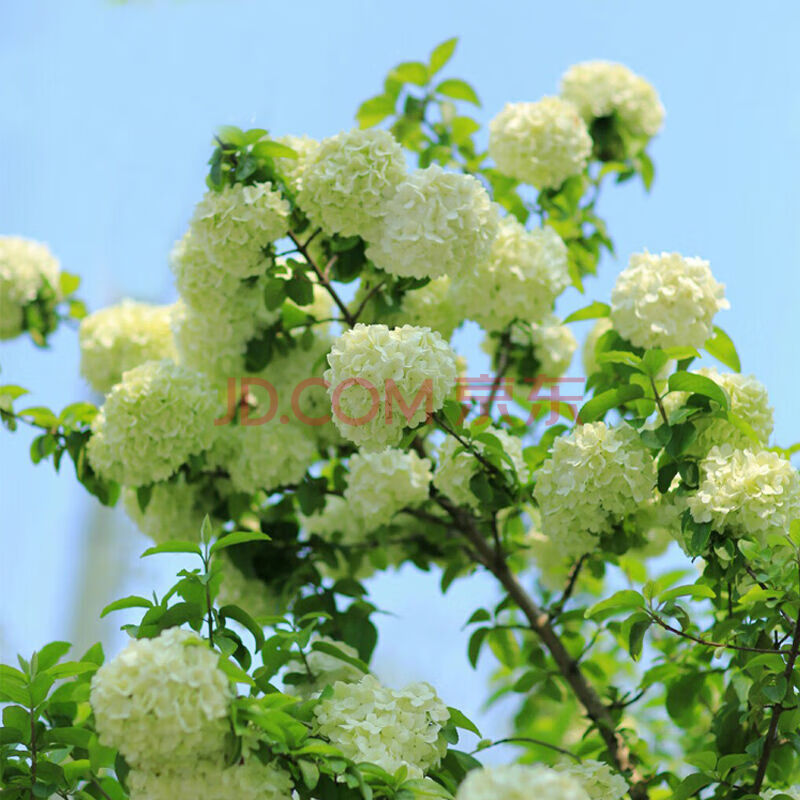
(234,225)
(263,456)
(252,594)
(163,701)
(334,523)
(520,782)
(792,791)
(371,364)
(292,169)
(211,780)
(749,400)
(595,477)
(325,669)
(541,143)
(388,728)
(455,470)
(26,267)
(525,272)
(121,337)
(379,484)
(746,492)
(598,780)
(433,305)
(554,345)
(348,180)
(151,422)
(603,88)
(437,223)
(175,510)
(666,300)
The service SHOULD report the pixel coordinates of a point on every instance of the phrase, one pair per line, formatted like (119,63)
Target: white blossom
(379,484)
(525,272)
(163,701)
(437,223)
(151,422)
(595,477)
(746,492)
(541,143)
(602,88)
(520,782)
(666,300)
(598,780)
(349,179)
(175,510)
(389,728)
(365,359)
(121,337)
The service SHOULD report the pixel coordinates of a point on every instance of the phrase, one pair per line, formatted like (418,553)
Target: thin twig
(528,740)
(372,292)
(572,580)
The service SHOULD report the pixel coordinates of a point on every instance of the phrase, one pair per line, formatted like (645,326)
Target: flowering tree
(298,421)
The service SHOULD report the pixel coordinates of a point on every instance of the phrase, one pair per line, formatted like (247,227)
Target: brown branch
(659,402)
(529,740)
(569,668)
(777,710)
(372,292)
(303,248)
(572,580)
(502,366)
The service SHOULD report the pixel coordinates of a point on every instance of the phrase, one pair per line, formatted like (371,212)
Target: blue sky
(106,113)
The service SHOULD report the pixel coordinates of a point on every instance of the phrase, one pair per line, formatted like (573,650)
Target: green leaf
(602,403)
(460,720)
(619,357)
(698,384)
(697,591)
(238,537)
(243,618)
(441,54)
(301,290)
(375,110)
(594,310)
(273,150)
(51,654)
(134,601)
(332,650)
(68,283)
(458,90)
(176,546)
(721,346)
(410,72)
(691,786)
(622,601)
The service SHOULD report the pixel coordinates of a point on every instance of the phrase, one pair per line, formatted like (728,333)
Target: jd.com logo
(495,392)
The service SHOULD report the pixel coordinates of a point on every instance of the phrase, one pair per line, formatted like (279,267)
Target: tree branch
(569,668)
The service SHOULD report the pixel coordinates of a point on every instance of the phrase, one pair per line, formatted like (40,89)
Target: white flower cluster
(386,727)
(234,225)
(292,169)
(151,422)
(454,472)
(163,701)
(252,594)
(598,780)
(364,359)
(437,223)
(520,782)
(26,267)
(434,305)
(602,88)
(264,456)
(525,272)
(334,523)
(175,510)
(211,780)
(554,345)
(121,337)
(348,180)
(792,791)
(749,400)
(325,669)
(596,476)
(379,484)
(666,301)
(541,143)
(746,492)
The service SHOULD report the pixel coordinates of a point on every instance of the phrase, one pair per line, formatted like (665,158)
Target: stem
(372,292)
(303,248)
(777,709)
(659,402)
(33,753)
(528,740)
(99,788)
(572,579)
(569,668)
(502,367)
(470,447)
(708,643)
